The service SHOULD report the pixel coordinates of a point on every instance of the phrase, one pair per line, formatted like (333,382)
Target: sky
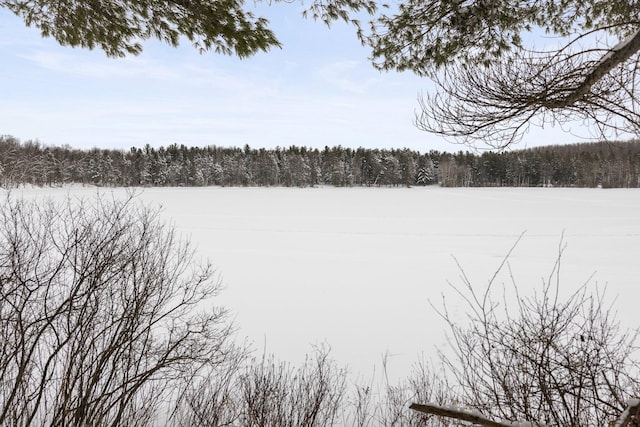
(318,90)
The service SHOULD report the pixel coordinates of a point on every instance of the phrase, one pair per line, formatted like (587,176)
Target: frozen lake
(356,267)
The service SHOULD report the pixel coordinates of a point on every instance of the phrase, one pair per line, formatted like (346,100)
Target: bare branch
(619,54)
(496,104)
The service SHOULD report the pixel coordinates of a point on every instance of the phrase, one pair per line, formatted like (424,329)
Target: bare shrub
(275,394)
(212,397)
(383,403)
(266,392)
(540,358)
(100,313)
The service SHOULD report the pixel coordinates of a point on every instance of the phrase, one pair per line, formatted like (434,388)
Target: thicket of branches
(268,392)
(531,355)
(612,164)
(101,313)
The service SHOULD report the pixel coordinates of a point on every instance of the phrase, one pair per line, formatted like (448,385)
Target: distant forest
(604,164)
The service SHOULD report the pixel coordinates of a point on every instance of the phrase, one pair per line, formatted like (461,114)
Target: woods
(607,165)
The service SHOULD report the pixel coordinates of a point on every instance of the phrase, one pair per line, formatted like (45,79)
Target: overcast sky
(318,90)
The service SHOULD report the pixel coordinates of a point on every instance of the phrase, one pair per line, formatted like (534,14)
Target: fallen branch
(632,409)
(464,415)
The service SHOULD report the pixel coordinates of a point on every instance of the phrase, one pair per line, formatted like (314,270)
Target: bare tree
(101,313)
(541,359)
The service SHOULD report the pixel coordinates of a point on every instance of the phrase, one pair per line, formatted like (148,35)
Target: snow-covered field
(357,267)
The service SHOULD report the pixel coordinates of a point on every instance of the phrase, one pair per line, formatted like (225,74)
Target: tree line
(602,164)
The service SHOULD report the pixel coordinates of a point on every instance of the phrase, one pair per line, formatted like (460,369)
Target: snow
(356,267)
(621,45)
(633,402)
(632,407)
